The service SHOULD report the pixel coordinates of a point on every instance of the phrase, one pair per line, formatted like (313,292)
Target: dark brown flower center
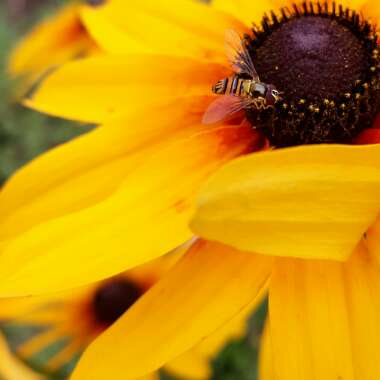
(319,56)
(325,62)
(114,298)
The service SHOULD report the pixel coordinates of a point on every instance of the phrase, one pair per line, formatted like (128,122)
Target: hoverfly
(244,90)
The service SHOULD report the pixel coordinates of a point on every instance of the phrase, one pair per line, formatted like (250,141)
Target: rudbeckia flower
(49,333)
(60,38)
(299,221)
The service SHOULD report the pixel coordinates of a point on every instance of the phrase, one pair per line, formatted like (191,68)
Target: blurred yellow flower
(65,324)
(60,38)
(299,222)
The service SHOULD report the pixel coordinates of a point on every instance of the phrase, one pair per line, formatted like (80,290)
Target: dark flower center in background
(325,60)
(114,298)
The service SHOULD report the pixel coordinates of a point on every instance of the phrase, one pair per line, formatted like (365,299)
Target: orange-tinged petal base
(368,136)
(371,11)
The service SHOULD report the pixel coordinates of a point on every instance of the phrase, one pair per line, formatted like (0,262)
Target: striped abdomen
(230,86)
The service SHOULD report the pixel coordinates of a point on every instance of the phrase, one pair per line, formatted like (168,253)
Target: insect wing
(224,108)
(238,54)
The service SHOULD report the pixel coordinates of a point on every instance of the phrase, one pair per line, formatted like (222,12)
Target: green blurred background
(24,134)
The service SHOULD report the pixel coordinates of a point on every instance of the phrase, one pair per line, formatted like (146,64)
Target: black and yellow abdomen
(230,86)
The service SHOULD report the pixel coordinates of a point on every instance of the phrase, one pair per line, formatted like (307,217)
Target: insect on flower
(243,90)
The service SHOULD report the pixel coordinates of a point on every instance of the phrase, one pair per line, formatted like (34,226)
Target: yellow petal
(85,171)
(356,5)
(146,217)
(371,11)
(248,11)
(308,201)
(190,365)
(196,363)
(151,376)
(202,292)
(95,89)
(59,187)
(309,326)
(186,28)
(150,272)
(372,240)
(252,12)
(362,276)
(266,369)
(54,41)
(329,310)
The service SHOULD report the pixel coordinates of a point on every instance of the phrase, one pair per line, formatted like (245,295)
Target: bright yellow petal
(266,369)
(252,11)
(191,365)
(309,326)
(371,11)
(236,328)
(146,217)
(356,5)
(362,275)
(308,201)
(186,28)
(152,376)
(85,171)
(196,363)
(54,41)
(80,179)
(150,272)
(248,11)
(202,292)
(327,317)
(372,240)
(95,89)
